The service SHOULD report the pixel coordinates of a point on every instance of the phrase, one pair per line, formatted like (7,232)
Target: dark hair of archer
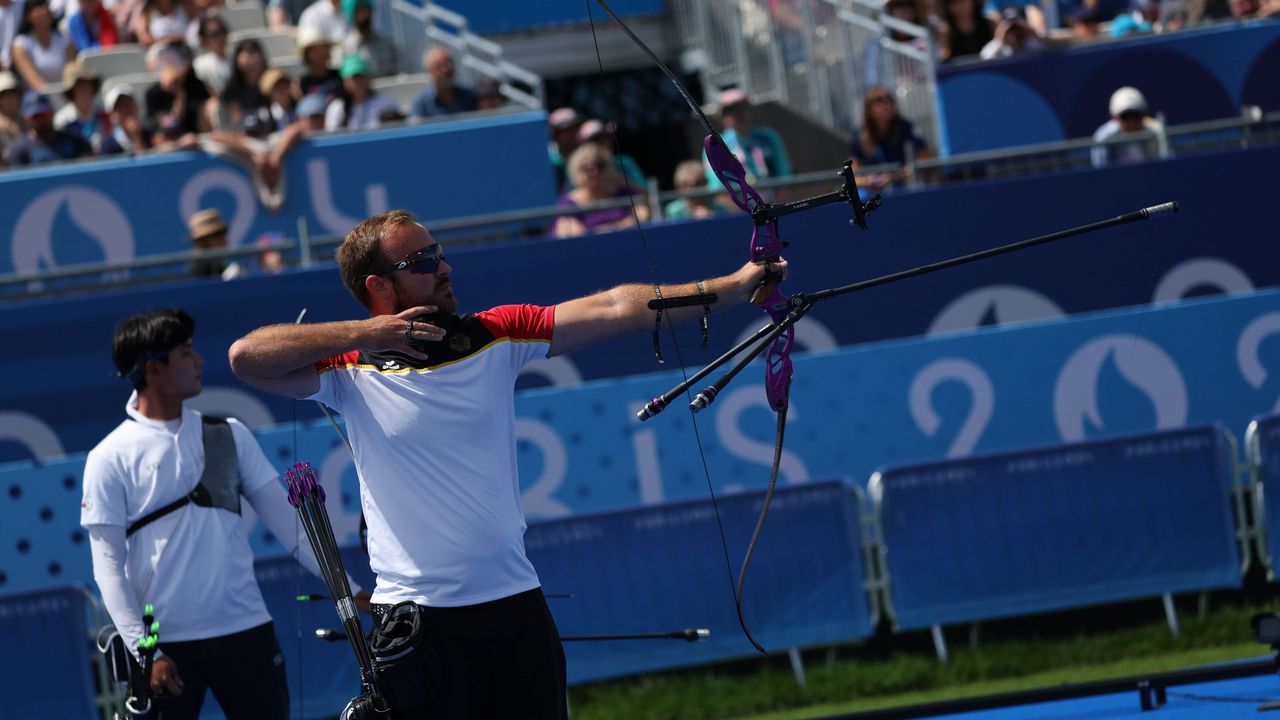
(360,254)
(148,336)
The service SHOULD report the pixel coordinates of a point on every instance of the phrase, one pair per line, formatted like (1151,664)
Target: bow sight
(766,213)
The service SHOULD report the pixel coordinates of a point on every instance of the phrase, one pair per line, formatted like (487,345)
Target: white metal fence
(417,28)
(817,57)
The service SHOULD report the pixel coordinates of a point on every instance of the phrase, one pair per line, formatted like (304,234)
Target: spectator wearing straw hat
(363,108)
(319,76)
(378,49)
(444,96)
(190,559)
(208,232)
(278,88)
(43,143)
(83,115)
(757,147)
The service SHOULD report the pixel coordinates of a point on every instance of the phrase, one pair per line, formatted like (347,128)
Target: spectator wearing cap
(209,232)
(564,125)
(885,137)
(178,95)
(12,125)
(378,49)
(968,30)
(1014,36)
(689,176)
(325,16)
(128,134)
(213,64)
(595,178)
(489,94)
(1129,115)
(242,96)
(758,148)
(444,96)
(43,143)
(39,51)
(319,77)
(82,115)
(363,108)
(93,26)
(310,112)
(602,134)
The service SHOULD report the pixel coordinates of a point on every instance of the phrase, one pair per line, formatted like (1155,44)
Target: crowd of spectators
(203,92)
(976,29)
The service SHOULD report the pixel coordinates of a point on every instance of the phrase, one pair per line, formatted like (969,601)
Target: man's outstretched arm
(281,358)
(625,309)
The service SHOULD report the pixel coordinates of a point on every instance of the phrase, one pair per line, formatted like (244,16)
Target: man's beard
(447,304)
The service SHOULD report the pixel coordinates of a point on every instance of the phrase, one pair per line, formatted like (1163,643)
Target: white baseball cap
(117,91)
(1127,99)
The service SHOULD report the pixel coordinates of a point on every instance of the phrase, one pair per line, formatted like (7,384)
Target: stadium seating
(280,47)
(404,88)
(115,61)
(243,16)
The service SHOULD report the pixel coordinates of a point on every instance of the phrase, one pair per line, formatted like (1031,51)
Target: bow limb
(765,247)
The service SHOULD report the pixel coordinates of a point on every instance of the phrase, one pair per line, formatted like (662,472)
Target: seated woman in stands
(363,108)
(242,96)
(177,103)
(161,22)
(884,138)
(40,52)
(213,64)
(595,178)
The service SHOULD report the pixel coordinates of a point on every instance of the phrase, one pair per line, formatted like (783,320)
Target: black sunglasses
(423,262)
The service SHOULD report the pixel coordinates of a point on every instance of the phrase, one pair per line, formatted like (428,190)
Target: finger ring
(408,331)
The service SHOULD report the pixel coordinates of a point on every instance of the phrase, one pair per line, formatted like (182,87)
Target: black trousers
(497,660)
(245,671)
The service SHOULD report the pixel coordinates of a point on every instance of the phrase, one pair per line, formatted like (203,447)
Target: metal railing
(417,28)
(817,57)
(1252,128)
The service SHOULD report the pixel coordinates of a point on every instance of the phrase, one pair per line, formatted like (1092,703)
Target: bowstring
(653,274)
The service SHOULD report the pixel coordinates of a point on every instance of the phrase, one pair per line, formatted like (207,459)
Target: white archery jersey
(435,451)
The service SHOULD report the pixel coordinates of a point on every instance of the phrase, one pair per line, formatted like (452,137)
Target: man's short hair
(360,254)
(148,336)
